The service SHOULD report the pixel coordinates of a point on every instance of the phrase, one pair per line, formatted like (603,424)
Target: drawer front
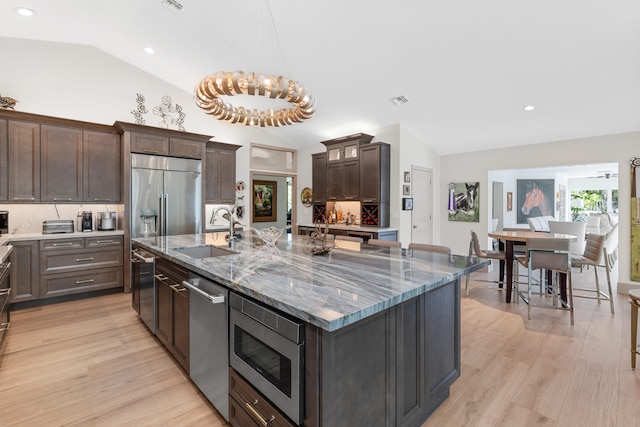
(238,417)
(55,285)
(253,403)
(58,262)
(99,242)
(60,244)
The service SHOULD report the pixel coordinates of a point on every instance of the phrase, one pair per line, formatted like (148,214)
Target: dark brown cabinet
(220,176)
(179,147)
(4,155)
(24,161)
(172,310)
(25,273)
(61,164)
(375,174)
(343,181)
(319,177)
(165,145)
(102,180)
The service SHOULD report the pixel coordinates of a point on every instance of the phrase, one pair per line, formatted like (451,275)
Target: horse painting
(535,197)
(463,202)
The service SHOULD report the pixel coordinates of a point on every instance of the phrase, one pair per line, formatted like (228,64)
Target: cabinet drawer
(247,397)
(149,144)
(58,262)
(60,284)
(61,244)
(186,148)
(99,242)
(238,417)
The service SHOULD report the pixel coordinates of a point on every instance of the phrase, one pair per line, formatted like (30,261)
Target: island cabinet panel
(172,310)
(102,181)
(391,369)
(25,273)
(61,164)
(24,161)
(4,153)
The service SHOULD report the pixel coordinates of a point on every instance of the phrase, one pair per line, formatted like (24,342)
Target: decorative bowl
(269,235)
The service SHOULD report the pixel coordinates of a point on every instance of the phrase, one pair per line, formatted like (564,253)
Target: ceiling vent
(399,100)
(173,6)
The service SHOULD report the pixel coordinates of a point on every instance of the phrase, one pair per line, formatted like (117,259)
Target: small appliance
(4,222)
(106,220)
(52,226)
(87,221)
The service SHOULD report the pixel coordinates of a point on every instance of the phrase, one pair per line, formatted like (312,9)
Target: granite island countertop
(329,291)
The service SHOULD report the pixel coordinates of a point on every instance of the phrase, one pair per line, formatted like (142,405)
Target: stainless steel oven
(267,349)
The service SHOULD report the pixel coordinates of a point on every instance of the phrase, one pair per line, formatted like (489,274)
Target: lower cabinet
(80,264)
(366,235)
(172,310)
(248,408)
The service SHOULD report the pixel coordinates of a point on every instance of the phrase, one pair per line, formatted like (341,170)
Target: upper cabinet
(57,160)
(319,177)
(162,142)
(220,173)
(345,148)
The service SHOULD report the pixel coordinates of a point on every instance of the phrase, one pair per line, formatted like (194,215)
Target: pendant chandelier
(211,95)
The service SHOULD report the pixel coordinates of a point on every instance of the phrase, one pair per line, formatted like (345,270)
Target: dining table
(510,238)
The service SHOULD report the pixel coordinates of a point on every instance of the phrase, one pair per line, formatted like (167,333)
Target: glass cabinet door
(351,151)
(335,154)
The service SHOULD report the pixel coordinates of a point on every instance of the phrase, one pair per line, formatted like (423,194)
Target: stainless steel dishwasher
(209,340)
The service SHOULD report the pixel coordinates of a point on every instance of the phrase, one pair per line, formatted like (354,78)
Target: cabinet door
(370,174)
(25,275)
(220,176)
(102,167)
(163,310)
(335,177)
(4,175)
(319,177)
(61,164)
(149,144)
(180,338)
(24,161)
(351,183)
(186,148)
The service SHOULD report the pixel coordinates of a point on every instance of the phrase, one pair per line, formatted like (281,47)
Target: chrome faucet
(229,217)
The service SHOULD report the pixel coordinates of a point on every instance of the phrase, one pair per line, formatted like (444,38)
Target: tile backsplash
(27,218)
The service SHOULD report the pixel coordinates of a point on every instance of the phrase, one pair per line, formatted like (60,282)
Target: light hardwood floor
(93,363)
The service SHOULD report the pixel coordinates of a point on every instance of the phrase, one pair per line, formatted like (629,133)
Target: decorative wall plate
(240,186)
(306,196)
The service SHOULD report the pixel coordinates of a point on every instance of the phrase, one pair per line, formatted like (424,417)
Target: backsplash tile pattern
(28,218)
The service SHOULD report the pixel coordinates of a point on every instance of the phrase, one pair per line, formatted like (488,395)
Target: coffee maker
(4,222)
(86,223)
(106,220)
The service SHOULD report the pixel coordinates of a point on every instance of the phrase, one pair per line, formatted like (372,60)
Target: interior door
(422,213)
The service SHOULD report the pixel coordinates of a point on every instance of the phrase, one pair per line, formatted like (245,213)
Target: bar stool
(634,300)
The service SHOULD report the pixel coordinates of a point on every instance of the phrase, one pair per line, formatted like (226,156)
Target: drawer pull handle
(5,326)
(256,415)
(101,200)
(6,291)
(104,241)
(24,198)
(151,151)
(62,244)
(80,282)
(55,199)
(160,277)
(84,259)
(178,288)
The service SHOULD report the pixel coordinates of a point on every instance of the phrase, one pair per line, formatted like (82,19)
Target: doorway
(422,213)
(284,200)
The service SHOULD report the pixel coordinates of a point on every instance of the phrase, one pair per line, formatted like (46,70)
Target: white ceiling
(467,67)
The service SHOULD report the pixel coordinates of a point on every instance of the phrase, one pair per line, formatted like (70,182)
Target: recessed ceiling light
(529,108)
(149,50)
(25,11)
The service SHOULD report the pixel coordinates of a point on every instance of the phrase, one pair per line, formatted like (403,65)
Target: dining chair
(548,254)
(430,248)
(474,247)
(387,243)
(573,228)
(600,250)
(349,239)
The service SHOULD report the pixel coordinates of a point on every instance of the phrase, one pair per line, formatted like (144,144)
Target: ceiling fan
(604,174)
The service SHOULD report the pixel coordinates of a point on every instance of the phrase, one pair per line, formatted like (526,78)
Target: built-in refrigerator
(166,196)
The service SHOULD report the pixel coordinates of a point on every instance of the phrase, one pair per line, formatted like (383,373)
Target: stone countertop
(329,291)
(6,238)
(353,227)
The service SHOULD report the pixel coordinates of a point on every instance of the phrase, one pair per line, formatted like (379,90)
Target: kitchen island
(382,335)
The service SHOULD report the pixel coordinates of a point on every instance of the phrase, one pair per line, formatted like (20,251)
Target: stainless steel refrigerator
(166,196)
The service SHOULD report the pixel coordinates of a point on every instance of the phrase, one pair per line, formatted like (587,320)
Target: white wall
(474,166)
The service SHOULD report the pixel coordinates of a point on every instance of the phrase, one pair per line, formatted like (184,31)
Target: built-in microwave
(267,349)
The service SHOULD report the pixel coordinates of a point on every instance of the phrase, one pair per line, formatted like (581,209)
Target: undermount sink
(205,252)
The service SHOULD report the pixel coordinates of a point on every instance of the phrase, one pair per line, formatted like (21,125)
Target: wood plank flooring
(92,362)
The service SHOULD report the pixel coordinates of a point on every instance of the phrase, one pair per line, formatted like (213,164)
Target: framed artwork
(509,201)
(407,203)
(265,197)
(406,190)
(306,196)
(535,198)
(407,177)
(464,201)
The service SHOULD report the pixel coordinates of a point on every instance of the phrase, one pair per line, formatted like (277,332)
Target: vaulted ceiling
(466,67)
